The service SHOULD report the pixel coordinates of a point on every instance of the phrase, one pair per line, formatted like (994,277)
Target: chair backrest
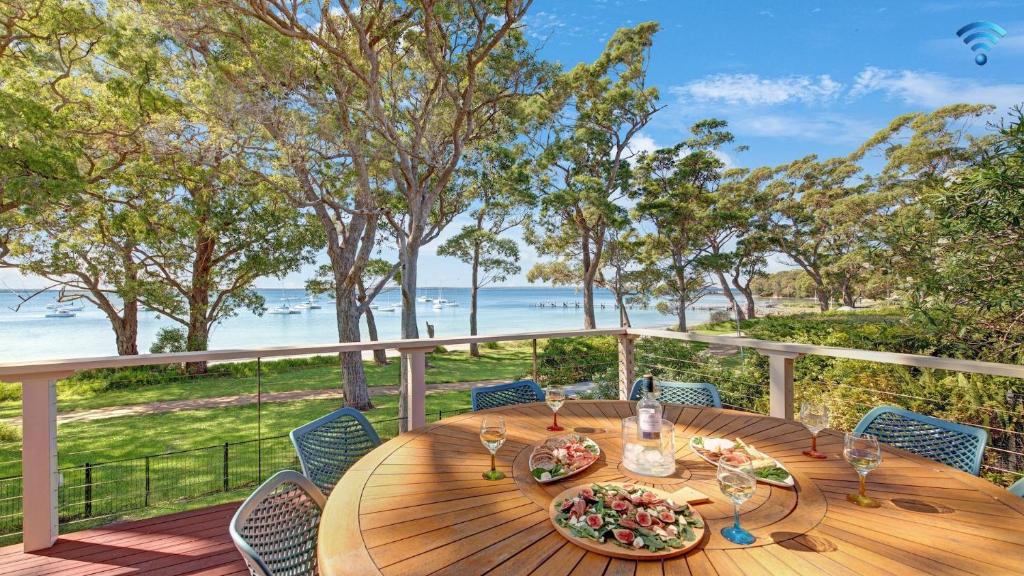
(518,392)
(957,445)
(330,445)
(275,529)
(1017,488)
(689,393)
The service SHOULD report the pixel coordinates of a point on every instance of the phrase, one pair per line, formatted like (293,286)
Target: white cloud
(753,90)
(829,127)
(641,143)
(933,90)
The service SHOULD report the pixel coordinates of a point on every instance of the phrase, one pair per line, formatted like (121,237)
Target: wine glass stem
(492,463)
(736,515)
(555,415)
(863,478)
(814,442)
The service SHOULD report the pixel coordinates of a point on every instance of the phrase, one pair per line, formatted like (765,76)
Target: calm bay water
(28,335)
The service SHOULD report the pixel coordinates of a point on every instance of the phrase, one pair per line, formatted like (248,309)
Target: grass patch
(101,389)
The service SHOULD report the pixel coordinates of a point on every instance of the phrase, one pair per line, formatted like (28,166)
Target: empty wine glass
(814,416)
(492,435)
(555,397)
(737,481)
(864,454)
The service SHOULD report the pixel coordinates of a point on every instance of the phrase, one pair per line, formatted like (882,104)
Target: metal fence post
(148,485)
(88,490)
(627,367)
(39,459)
(227,484)
(536,375)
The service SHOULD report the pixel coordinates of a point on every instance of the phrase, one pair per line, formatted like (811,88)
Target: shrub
(571,360)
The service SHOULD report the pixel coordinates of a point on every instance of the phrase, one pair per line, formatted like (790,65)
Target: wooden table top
(417,505)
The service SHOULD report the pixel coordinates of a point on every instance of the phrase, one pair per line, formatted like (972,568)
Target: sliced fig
(566,504)
(624,536)
(588,493)
(667,517)
(643,518)
(620,505)
(594,521)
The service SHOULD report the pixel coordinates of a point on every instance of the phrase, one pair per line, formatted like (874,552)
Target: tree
(79,92)
(497,184)
(628,272)
(600,109)
(668,192)
(212,228)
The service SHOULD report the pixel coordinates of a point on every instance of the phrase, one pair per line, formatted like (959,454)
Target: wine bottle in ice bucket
(648,411)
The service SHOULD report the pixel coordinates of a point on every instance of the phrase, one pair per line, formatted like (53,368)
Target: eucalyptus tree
(212,228)
(77,94)
(497,184)
(628,271)
(599,109)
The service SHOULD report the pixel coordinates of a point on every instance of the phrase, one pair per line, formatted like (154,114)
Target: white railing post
(780,387)
(416,387)
(627,369)
(39,460)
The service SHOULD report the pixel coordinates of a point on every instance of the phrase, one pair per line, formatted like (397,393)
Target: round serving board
(570,474)
(613,550)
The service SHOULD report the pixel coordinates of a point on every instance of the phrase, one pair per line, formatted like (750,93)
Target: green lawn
(95,391)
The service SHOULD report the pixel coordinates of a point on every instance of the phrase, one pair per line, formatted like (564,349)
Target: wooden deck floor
(194,542)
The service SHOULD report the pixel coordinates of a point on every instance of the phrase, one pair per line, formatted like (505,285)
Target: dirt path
(240,400)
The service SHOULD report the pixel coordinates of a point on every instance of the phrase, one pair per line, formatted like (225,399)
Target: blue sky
(792,78)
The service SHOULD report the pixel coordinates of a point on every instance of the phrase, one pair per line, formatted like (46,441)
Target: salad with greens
(628,516)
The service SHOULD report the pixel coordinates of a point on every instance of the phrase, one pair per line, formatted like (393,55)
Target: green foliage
(168,340)
(571,360)
(9,433)
(784,284)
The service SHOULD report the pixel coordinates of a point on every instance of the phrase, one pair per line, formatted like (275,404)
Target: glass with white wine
(737,481)
(863,452)
(555,397)
(814,417)
(492,436)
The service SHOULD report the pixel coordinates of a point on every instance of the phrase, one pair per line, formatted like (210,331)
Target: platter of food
(626,521)
(560,457)
(767,469)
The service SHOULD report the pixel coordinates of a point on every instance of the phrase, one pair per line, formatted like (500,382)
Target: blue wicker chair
(275,529)
(518,392)
(689,393)
(1017,489)
(957,445)
(328,446)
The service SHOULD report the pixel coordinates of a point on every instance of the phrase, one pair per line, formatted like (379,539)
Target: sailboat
(283,308)
(60,313)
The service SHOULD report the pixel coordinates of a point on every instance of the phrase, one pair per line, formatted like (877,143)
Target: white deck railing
(39,390)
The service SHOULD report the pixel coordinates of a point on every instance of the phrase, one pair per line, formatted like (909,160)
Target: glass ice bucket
(648,456)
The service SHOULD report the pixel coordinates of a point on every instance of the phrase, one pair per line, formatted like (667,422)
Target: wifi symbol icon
(981,37)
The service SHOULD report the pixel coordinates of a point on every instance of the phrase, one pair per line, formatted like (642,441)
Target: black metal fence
(102,491)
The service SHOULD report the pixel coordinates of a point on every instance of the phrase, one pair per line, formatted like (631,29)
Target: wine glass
(814,416)
(864,454)
(555,397)
(492,435)
(737,481)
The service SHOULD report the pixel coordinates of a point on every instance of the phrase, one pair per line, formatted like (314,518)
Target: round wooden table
(417,505)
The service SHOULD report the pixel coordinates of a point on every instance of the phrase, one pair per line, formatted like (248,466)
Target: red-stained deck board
(193,543)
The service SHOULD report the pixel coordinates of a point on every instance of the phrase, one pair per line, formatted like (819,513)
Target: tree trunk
(126,328)
(589,271)
(474,349)
(380,355)
(849,298)
(748,295)
(623,313)
(197,337)
(823,297)
(357,395)
(724,284)
(681,315)
(410,330)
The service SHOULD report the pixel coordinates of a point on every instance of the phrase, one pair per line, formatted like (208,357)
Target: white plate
(788,483)
(581,438)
